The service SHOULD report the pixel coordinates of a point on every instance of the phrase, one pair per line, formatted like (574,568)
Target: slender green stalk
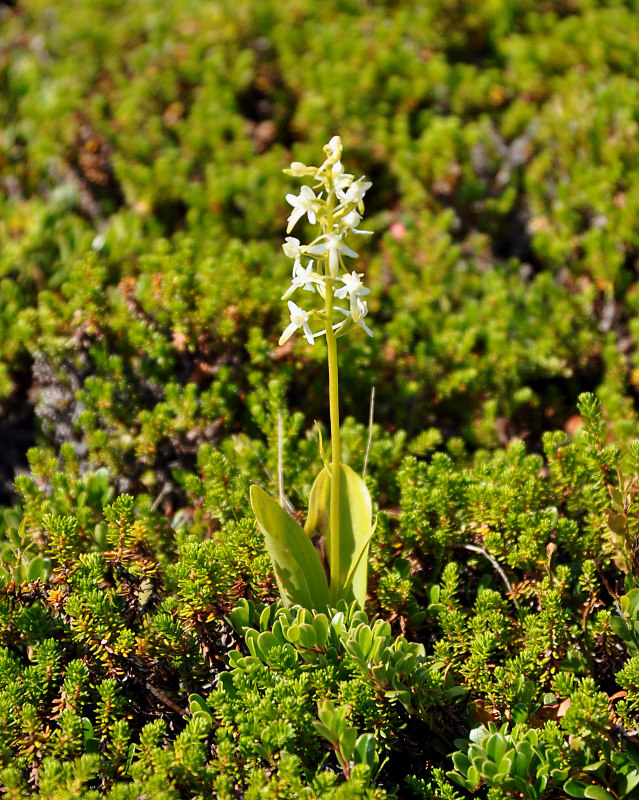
(333,398)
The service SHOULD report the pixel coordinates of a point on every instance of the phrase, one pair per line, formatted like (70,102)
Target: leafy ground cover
(143,652)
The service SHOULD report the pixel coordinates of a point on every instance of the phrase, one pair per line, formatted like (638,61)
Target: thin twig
(168,486)
(284,501)
(496,565)
(370,431)
(164,699)
(280,456)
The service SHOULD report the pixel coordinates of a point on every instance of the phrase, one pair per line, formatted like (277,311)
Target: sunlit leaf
(355,529)
(298,570)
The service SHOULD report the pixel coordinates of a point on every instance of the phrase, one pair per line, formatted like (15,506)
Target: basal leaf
(298,570)
(355,528)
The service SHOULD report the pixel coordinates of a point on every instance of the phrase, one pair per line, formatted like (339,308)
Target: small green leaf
(490,770)
(505,764)
(320,623)
(298,570)
(575,788)
(518,713)
(453,692)
(293,633)
(461,762)
(627,782)
(347,743)
(197,703)
(365,752)
(326,712)
(633,602)
(620,627)
(129,756)
(307,636)
(598,793)
(321,447)
(225,684)
(37,569)
(517,784)
(266,641)
(91,744)
(495,746)
(460,780)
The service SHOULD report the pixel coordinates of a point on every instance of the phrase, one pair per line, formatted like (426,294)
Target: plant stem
(333,399)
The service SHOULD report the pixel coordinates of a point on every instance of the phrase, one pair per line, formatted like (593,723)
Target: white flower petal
(291,247)
(318,249)
(334,149)
(288,332)
(346,250)
(308,333)
(294,219)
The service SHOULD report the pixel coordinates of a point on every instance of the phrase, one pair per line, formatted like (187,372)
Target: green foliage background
(141,219)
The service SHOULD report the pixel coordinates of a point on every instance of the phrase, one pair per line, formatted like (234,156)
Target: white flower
(352,219)
(341,180)
(363,311)
(355,192)
(333,149)
(299,319)
(302,204)
(333,245)
(298,170)
(355,289)
(292,248)
(303,278)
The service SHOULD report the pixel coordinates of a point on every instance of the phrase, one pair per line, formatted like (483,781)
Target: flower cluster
(336,204)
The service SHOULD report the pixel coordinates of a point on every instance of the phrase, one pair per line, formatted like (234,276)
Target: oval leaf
(355,528)
(298,570)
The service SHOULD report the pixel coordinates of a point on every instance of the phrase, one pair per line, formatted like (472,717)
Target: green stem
(333,399)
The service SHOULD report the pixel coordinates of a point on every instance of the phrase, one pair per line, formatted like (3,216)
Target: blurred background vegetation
(142,214)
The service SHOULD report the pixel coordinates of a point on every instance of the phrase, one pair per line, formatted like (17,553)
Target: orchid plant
(339,521)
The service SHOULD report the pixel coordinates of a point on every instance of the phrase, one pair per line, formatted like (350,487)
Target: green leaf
(329,716)
(598,793)
(461,762)
(91,744)
(626,783)
(129,756)
(321,447)
(460,780)
(320,623)
(298,570)
(620,627)
(495,746)
(37,569)
(198,703)
(225,684)
(489,770)
(365,752)
(632,602)
(519,713)
(347,743)
(307,636)
(575,788)
(356,529)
